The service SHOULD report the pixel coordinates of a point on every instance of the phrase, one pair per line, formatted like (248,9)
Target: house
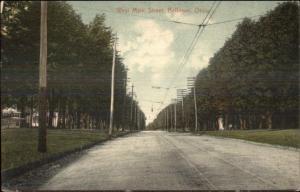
(11,118)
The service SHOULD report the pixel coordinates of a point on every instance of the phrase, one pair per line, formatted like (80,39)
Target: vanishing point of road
(158,160)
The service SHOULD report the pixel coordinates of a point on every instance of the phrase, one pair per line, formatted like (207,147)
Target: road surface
(161,160)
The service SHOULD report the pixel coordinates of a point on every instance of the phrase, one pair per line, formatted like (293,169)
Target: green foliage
(289,137)
(79,64)
(18,146)
(253,80)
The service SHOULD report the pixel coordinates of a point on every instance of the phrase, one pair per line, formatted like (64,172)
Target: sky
(153,48)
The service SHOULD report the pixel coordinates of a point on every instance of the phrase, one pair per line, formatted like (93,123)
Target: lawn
(288,137)
(19,146)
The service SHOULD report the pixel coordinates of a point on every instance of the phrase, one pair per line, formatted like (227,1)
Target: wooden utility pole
(135,116)
(124,106)
(180,95)
(131,108)
(42,140)
(167,124)
(112,91)
(175,102)
(182,110)
(192,86)
(171,118)
(138,119)
(175,116)
(196,113)
(124,112)
(2,6)
(165,119)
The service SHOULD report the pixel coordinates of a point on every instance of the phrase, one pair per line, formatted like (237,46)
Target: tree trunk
(269,119)
(31,111)
(73,120)
(78,117)
(64,114)
(262,120)
(250,121)
(241,122)
(59,115)
(68,120)
(283,121)
(236,121)
(23,113)
(260,124)
(97,122)
(226,121)
(89,121)
(85,121)
(69,115)
(51,109)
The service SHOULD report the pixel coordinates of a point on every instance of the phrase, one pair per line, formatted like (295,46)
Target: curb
(17,171)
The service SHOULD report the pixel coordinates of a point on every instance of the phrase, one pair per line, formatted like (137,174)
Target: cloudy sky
(153,48)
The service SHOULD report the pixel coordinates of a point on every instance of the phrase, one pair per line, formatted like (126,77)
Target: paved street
(161,160)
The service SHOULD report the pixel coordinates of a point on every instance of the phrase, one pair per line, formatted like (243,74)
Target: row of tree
(251,82)
(79,68)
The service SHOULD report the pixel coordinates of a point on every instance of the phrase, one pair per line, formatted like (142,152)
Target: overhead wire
(196,37)
(192,46)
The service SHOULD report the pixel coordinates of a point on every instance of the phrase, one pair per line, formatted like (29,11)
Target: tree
(79,65)
(253,80)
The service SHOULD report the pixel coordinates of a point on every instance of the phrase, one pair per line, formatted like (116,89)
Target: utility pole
(167,124)
(180,95)
(196,115)
(165,119)
(183,120)
(175,117)
(42,140)
(192,85)
(112,90)
(138,119)
(124,103)
(135,116)
(131,108)
(171,118)
(124,106)
(175,102)
(2,6)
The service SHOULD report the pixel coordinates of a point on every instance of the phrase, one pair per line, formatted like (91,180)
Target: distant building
(11,118)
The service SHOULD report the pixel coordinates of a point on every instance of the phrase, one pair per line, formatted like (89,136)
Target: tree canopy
(79,66)
(253,80)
